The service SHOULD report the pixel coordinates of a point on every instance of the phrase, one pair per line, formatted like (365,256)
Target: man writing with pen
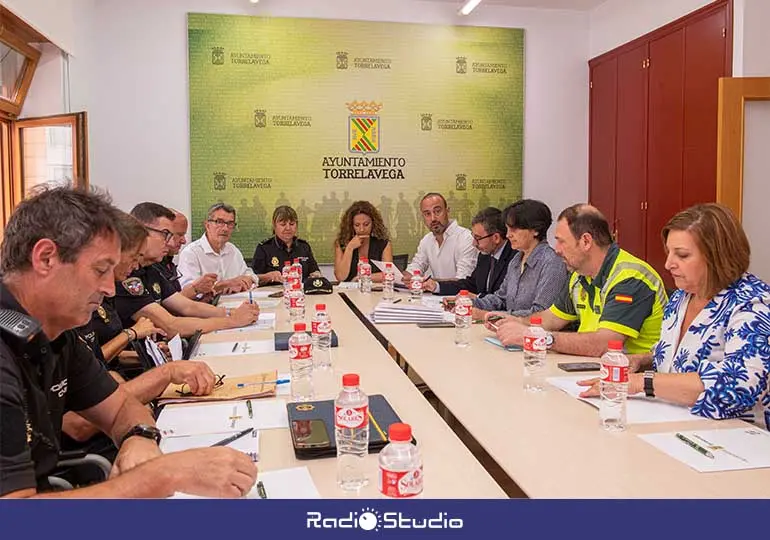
(447,251)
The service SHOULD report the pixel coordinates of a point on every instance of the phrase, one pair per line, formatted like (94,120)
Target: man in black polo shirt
(147,293)
(200,289)
(58,255)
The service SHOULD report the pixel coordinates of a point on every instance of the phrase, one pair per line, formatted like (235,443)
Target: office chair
(78,468)
(401,261)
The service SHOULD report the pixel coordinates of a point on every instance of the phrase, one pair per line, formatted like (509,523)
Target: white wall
(52,18)
(616,22)
(132,79)
(46,93)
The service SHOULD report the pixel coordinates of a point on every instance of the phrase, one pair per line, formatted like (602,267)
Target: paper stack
(387,312)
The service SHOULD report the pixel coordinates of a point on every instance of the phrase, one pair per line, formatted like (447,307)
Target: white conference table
(550,444)
(451,471)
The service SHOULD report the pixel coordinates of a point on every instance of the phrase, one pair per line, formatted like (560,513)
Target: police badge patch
(134,286)
(274,262)
(156,288)
(103,314)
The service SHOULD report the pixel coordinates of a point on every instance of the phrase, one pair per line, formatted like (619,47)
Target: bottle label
(351,417)
(416,285)
(535,344)
(321,327)
(401,484)
(300,352)
(296,301)
(463,310)
(365,270)
(614,374)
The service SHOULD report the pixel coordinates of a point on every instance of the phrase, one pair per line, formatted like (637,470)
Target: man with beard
(447,251)
(613,295)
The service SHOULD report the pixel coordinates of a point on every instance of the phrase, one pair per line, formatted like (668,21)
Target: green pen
(248,407)
(695,446)
(261,490)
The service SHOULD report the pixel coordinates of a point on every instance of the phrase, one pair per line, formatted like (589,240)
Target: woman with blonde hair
(714,350)
(362,234)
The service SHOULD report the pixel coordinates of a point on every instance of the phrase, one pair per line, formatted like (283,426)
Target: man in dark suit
(495,253)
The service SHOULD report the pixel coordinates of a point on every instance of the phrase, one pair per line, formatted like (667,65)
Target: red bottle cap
(300,327)
(351,379)
(400,432)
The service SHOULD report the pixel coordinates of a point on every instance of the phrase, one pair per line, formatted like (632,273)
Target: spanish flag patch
(623,298)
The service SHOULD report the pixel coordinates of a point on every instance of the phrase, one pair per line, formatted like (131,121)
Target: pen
(261,490)
(396,301)
(225,442)
(235,346)
(279,381)
(695,446)
(248,407)
(251,299)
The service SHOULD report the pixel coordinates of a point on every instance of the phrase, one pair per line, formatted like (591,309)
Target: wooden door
(665,141)
(603,140)
(705,62)
(631,165)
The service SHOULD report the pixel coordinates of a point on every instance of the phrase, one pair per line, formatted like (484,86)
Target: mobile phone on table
(310,433)
(579,366)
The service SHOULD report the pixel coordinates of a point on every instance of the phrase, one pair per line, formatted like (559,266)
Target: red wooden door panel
(601,185)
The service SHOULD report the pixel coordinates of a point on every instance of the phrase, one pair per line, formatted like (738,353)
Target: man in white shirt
(447,252)
(213,253)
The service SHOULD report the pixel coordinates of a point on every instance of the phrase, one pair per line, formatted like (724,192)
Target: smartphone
(435,325)
(579,366)
(492,319)
(310,433)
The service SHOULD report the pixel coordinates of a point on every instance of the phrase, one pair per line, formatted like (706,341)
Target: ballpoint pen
(279,381)
(251,298)
(396,301)
(695,446)
(248,407)
(261,490)
(235,346)
(231,438)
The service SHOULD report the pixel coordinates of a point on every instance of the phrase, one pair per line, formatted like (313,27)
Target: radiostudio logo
(371,519)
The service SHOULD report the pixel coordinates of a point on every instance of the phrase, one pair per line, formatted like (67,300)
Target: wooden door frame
(733,95)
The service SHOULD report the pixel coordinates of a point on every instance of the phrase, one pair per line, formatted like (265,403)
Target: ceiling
(581,5)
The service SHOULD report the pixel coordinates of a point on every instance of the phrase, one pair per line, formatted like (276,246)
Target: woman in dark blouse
(362,235)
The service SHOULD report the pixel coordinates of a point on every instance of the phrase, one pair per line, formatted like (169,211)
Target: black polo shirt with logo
(143,287)
(104,326)
(169,270)
(271,254)
(40,381)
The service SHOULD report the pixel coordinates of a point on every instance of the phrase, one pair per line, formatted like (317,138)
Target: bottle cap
(296,260)
(615,345)
(416,272)
(351,379)
(320,307)
(463,293)
(287,263)
(535,320)
(364,260)
(400,432)
(300,327)
(388,265)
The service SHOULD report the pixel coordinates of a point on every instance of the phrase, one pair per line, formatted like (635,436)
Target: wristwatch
(142,430)
(649,390)
(548,340)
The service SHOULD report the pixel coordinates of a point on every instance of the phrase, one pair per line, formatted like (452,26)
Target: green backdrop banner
(320,113)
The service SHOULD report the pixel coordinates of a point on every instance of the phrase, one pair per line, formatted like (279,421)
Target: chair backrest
(401,261)
(192,345)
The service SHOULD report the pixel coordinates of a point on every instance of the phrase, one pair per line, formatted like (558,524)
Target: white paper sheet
(266,321)
(242,297)
(732,449)
(248,444)
(154,351)
(175,346)
(294,483)
(235,348)
(399,277)
(263,303)
(222,417)
(347,285)
(639,409)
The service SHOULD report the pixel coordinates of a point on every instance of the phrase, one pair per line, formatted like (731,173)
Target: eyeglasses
(223,223)
(478,239)
(167,235)
(185,390)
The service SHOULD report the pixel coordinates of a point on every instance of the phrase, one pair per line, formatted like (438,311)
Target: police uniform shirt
(104,326)
(41,380)
(271,254)
(170,271)
(143,287)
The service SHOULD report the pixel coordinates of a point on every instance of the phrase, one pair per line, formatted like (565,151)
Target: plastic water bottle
(400,465)
(296,303)
(351,429)
(388,282)
(298,267)
(415,287)
(364,276)
(463,310)
(301,364)
(321,333)
(285,278)
(535,350)
(614,387)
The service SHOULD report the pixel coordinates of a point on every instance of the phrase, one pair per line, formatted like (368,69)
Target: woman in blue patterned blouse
(714,350)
